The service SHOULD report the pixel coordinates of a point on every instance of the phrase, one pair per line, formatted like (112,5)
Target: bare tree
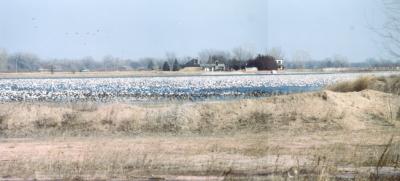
(109,63)
(186,59)
(242,53)
(340,61)
(300,57)
(171,56)
(150,65)
(204,55)
(211,55)
(391,28)
(89,63)
(3,60)
(23,62)
(276,52)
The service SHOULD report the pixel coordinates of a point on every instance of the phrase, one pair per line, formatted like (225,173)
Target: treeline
(27,62)
(332,63)
(236,59)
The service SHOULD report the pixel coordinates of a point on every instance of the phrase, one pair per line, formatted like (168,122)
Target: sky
(150,28)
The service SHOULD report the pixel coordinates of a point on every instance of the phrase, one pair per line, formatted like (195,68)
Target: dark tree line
(263,62)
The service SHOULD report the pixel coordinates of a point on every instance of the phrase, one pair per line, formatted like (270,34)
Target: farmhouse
(213,67)
(192,63)
(280,64)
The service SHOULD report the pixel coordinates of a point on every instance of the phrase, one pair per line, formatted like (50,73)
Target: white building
(280,64)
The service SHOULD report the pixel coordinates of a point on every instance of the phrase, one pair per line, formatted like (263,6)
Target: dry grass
(385,84)
(299,113)
(353,86)
(247,156)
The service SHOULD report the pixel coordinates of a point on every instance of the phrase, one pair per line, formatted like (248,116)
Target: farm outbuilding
(213,67)
(280,64)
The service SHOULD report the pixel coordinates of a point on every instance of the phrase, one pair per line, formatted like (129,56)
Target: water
(166,88)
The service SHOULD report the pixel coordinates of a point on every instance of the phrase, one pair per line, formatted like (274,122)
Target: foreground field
(328,155)
(312,136)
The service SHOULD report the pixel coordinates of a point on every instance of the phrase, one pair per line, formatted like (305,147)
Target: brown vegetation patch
(389,84)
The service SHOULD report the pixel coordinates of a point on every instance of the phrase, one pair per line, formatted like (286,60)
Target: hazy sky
(149,28)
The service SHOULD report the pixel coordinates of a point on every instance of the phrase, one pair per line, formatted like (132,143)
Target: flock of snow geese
(156,88)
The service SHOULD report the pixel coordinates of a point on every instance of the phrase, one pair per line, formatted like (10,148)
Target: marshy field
(258,127)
